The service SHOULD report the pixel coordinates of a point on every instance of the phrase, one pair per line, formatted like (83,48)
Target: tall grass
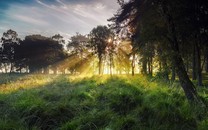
(99,102)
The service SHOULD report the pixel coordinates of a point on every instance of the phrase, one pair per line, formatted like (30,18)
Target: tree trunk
(150,66)
(198,65)
(63,71)
(5,67)
(160,66)
(144,66)
(111,63)
(11,68)
(20,69)
(185,82)
(39,71)
(100,65)
(46,70)
(31,69)
(173,76)
(187,64)
(55,70)
(111,69)
(165,69)
(133,64)
(27,69)
(194,63)
(206,55)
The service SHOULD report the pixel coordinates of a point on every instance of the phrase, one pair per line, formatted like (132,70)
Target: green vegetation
(99,102)
(41,77)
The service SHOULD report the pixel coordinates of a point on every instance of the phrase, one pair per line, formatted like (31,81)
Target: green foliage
(99,37)
(102,102)
(42,50)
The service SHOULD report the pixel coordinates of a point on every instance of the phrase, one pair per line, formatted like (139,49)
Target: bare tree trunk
(5,67)
(151,61)
(133,64)
(63,71)
(194,63)
(111,63)
(11,68)
(150,66)
(160,66)
(185,82)
(55,70)
(198,65)
(110,68)
(20,69)
(144,66)
(165,69)
(100,65)
(206,55)
(187,64)
(27,69)
(46,70)
(173,73)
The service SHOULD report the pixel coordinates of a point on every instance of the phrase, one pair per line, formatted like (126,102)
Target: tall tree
(78,44)
(9,41)
(99,37)
(78,47)
(61,41)
(110,49)
(166,16)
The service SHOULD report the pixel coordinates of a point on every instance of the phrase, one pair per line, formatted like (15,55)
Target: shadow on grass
(7,78)
(94,103)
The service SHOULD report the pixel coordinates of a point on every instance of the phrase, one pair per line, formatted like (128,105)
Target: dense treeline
(33,54)
(172,33)
(91,53)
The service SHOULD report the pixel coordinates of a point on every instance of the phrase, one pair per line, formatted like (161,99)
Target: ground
(98,102)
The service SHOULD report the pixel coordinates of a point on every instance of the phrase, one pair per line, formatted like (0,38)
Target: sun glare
(109,40)
(106,71)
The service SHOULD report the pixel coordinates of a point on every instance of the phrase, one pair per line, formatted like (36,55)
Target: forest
(146,70)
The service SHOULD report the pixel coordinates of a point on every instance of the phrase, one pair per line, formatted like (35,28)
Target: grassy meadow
(63,102)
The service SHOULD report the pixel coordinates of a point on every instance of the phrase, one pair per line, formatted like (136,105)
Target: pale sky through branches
(49,17)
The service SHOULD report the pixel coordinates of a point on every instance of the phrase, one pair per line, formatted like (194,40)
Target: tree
(110,50)
(61,41)
(58,38)
(99,37)
(78,48)
(78,44)
(167,17)
(122,58)
(9,41)
(40,52)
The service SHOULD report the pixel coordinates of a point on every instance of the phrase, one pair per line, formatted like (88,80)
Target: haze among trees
(151,60)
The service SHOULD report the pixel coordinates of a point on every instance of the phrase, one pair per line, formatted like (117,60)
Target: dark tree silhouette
(58,38)
(164,21)
(99,37)
(78,47)
(40,52)
(9,41)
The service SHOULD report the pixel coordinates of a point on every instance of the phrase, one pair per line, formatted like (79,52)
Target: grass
(64,102)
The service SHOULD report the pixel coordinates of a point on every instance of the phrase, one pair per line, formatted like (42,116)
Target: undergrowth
(48,102)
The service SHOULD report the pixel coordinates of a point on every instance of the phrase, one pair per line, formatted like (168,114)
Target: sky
(49,17)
